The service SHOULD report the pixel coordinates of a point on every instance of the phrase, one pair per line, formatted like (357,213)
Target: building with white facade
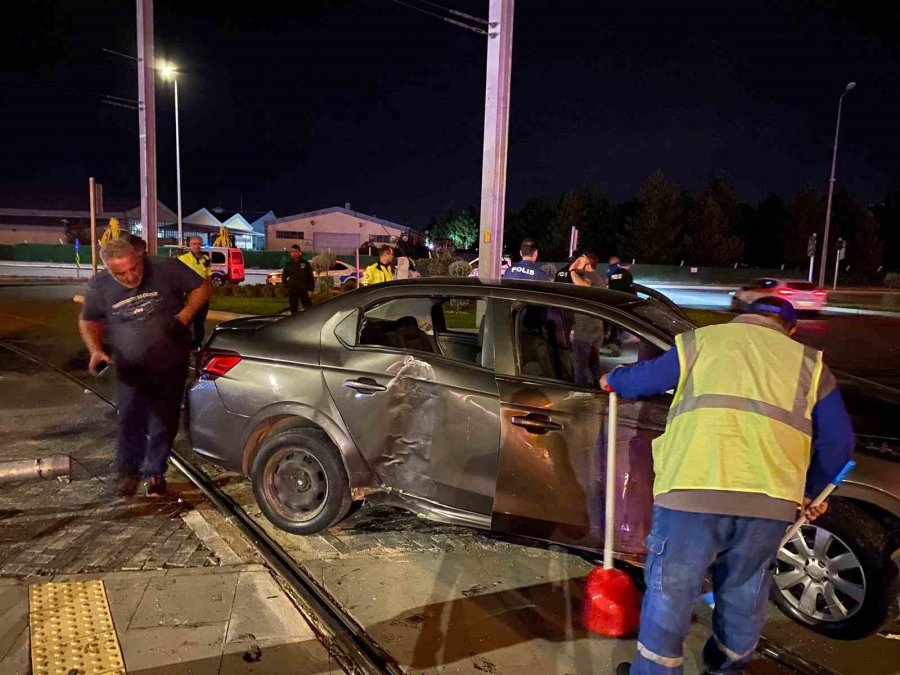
(335,230)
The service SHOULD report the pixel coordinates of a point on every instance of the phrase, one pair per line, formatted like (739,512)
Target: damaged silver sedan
(469,403)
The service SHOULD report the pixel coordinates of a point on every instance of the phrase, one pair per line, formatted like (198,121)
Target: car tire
(299,481)
(217,280)
(859,534)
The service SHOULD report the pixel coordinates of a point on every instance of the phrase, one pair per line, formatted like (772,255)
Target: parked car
(340,271)
(505,264)
(402,392)
(803,295)
(227,263)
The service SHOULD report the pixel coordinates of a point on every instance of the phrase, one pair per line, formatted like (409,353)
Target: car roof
(436,284)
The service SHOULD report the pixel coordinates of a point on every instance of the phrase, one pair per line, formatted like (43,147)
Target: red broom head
(612,605)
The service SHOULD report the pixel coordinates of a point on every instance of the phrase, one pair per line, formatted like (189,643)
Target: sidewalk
(185,592)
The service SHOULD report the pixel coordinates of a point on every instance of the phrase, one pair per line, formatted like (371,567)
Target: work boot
(156,486)
(128,485)
(623,668)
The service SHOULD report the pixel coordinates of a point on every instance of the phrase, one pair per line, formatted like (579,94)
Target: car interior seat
(414,338)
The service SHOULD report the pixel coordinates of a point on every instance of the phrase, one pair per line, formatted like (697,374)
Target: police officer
(198,261)
(297,277)
(380,271)
(527,267)
(756,428)
(619,278)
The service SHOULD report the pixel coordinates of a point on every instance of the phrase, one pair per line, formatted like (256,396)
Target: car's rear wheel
(217,280)
(837,577)
(299,481)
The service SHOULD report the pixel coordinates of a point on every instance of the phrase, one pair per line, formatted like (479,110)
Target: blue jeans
(739,552)
(149,411)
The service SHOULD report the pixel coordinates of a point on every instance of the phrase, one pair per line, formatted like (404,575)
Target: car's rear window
(801,286)
(663,318)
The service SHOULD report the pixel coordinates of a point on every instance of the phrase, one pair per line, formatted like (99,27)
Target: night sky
(372,103)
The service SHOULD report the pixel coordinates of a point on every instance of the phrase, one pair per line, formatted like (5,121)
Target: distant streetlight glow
(168,71)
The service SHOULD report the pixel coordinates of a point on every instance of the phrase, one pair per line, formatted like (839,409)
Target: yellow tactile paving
(72,630)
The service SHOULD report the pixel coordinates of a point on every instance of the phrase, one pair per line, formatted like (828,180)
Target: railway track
(349,642)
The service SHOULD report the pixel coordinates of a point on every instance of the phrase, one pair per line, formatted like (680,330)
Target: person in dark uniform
(136,315)
(298,280)
(527,267)
(619,278)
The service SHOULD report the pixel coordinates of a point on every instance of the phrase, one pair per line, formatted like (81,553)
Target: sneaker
(156,486)
(128,485)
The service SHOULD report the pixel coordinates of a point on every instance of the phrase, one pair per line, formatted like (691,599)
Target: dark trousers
(149,411)
(198,326)
(300,295)
(740,553)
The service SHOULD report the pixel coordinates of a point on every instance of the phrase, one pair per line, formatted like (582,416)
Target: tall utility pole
(837,131)
(496,129)
(147,121)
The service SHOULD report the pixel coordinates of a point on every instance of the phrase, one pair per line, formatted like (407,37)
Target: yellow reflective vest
(741,418)
(201,267)
(376,273)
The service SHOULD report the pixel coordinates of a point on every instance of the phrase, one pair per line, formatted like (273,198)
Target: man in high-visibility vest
(198,261)
(381,271)
(756,429)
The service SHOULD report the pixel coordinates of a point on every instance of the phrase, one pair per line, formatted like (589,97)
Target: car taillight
(785,291)
(820,293)
(216,365)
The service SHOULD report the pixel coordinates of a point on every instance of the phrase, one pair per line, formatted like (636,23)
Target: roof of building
(353,214)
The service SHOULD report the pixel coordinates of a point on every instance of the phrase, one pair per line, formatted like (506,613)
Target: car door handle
(365,385)
(536,423)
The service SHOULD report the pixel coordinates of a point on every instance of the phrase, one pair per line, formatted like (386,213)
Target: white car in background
(340,271)
(505,264)
(803,295)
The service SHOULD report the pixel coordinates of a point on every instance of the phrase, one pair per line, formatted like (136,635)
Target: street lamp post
(850,85)
(169,73)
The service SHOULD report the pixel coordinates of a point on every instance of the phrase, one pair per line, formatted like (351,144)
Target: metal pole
(837,130)
(55,466)
(812,262)
(496,128)
(180,241)
(609,530)
(147,122)
(92,188)
(837,263)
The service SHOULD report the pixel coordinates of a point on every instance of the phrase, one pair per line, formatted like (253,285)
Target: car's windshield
(662,317)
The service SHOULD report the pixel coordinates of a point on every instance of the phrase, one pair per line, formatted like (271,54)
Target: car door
(552,469)
(425,417)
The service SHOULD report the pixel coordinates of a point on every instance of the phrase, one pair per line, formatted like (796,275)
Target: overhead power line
(474,29)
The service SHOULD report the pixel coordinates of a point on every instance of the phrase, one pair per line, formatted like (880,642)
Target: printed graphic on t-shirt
(138,307)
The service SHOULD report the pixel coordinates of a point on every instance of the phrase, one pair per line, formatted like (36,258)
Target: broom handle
(821,497)
(609,531)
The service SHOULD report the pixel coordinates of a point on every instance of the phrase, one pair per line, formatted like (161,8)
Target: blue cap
(782,308)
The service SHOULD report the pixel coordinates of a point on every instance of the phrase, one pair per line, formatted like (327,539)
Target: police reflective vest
(741,418)
(201,266)
(376,273)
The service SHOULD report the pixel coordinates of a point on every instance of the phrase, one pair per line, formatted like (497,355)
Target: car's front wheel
(299,481)
(837,577)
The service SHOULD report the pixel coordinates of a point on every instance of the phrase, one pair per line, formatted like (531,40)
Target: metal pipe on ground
(55,466)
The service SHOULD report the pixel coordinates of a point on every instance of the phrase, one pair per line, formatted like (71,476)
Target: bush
(423,265)
(266,291)
(892,279)
(439,266)
(226,291)
(324,284)
(323,262)
(280,291)
(460,268)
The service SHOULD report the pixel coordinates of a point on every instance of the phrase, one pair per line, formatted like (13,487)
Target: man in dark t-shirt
(136,316)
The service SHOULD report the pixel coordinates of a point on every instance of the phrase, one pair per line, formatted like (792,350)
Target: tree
(763,228)
(887,214)
(807,216)
(711,241)
(535,219)
(657,232)
(459,227)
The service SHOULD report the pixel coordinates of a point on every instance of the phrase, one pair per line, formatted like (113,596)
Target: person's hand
(182,318)
(813,512)
(604,384)
(97,358)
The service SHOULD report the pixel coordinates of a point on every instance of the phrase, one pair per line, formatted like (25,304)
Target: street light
(850,85)
(168,71)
